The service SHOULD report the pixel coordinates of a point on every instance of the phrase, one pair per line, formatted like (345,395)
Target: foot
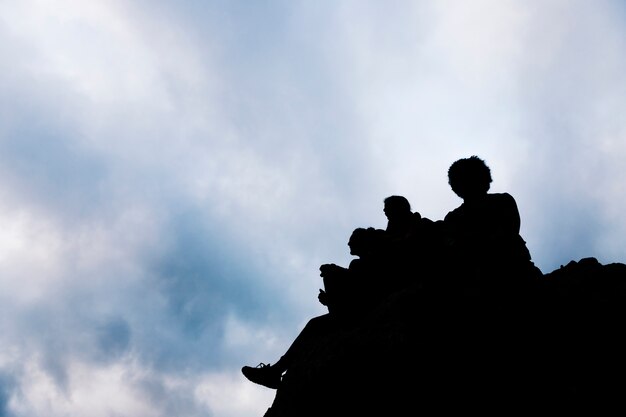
(263,374)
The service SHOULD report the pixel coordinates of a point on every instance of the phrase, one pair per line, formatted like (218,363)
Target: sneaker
(263,374)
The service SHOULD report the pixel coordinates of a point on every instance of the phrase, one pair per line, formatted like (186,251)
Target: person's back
(484,231)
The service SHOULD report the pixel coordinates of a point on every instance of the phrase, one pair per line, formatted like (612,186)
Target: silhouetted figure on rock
(402,231)
(414,247)
(402,222)
(489,290)
(485,247)
(349,293)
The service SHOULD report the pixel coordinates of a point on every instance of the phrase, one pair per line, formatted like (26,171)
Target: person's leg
(270,375)
(315,328)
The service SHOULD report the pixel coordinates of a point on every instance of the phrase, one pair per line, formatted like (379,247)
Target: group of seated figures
(477,247)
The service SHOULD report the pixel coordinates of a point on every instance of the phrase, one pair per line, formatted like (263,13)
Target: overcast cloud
(173,173)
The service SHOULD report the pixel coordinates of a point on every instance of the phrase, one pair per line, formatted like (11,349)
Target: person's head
(363,241)
(357,241)
(396,206)
(469,177)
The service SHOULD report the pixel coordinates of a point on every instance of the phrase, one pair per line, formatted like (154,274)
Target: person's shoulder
(454,213)
(501,197)
(428,226)
(426,220)
(356,263)
(503,202)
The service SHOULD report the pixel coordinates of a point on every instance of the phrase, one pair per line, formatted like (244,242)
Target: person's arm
(333,277)
(330,269)
(322,297)
(509,216)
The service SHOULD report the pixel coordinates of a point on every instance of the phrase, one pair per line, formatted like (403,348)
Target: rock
(556,344)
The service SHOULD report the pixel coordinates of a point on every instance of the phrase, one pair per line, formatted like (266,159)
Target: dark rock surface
(556,344)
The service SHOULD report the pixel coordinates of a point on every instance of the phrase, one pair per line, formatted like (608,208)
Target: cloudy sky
(173,173)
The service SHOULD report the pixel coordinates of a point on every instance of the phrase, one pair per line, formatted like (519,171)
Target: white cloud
(93,391)
(228,396)
(30,263)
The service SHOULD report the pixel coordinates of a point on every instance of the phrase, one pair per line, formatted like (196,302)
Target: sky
(173,173)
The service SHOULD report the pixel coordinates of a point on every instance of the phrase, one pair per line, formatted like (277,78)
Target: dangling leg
(271,375)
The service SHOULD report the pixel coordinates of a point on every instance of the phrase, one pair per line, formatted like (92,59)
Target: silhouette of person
(489,295)
(402,223)
(483,233)
(349,294)
(413,244)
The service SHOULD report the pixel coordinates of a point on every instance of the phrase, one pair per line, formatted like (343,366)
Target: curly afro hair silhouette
(469,177)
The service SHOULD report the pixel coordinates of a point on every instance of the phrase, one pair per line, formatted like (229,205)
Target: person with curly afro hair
(483,233)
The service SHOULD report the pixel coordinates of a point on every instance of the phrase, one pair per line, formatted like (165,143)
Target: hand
(322,297)
(327,269)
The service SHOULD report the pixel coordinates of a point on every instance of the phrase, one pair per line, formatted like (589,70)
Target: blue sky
(173,173)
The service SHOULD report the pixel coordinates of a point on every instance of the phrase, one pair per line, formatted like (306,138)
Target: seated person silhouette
(349,293)
(402,223)
(483,233)
(413,244)
(489,288)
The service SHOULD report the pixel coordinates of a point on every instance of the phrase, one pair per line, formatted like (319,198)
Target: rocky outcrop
(557,343)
